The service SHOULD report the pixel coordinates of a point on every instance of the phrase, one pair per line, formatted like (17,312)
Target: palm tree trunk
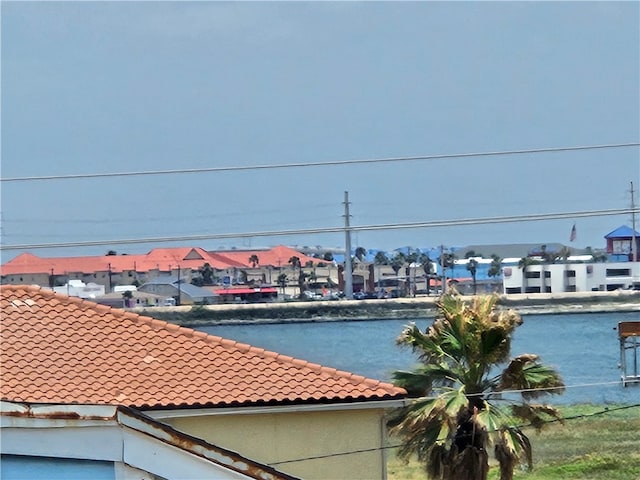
(470,464)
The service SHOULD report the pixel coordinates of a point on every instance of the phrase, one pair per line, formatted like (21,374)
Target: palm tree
(254,260)
(381,258)
(446,260)
(295,263)
(361,253)
(207,273)
(411,259)
(523,264)
(127,295)
(495,268)
(427,267)
(396,263)
(472,266)
(458,410)
(282,282)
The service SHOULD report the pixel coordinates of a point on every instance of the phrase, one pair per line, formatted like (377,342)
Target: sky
(112,87)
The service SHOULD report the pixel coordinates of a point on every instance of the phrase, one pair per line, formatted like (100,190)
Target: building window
(618,272)
(570,273)
(532,275)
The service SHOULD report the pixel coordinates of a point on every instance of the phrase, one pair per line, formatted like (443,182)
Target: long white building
(570,277)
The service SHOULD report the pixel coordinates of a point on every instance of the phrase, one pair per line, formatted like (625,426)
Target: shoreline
(385,309)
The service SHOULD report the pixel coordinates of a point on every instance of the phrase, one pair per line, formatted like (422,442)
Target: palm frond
(513,445)
(524,372)
(424,378)
(422,425)
(536,415)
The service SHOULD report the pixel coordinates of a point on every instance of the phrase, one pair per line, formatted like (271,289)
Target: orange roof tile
(58,349)
(163,259)
(276,256)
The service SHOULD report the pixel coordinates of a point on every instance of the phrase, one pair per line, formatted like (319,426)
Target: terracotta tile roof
(276,256)
(163,259)
(58,349)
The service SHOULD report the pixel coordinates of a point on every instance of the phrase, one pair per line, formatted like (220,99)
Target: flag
(572,235)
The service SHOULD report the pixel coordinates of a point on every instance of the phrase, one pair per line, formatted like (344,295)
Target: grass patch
(599,447)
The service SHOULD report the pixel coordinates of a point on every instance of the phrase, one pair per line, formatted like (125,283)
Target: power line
(320,164)
(390,447)
(324,230)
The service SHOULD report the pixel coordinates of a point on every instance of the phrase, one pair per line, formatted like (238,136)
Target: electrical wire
(323,230)
(390,447)
(320,164)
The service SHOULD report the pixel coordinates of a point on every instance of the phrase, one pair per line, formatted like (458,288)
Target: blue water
(583,347)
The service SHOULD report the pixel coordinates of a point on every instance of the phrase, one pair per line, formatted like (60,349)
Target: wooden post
(629,333)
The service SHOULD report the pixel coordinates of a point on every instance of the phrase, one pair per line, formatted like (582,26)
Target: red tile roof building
(111,270)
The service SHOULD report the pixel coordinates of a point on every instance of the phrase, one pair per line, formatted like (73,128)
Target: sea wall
(419,307)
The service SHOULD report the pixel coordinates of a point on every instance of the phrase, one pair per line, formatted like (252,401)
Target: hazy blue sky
(122,86)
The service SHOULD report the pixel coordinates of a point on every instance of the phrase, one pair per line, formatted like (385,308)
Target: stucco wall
(272,438)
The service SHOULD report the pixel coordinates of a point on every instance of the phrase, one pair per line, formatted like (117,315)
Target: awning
(244,291)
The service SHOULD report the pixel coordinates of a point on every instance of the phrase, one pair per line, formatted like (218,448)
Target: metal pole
(634,249)
(348,270)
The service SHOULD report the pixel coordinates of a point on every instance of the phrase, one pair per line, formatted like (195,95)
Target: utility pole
(634,249)
(179,296)
(348,270)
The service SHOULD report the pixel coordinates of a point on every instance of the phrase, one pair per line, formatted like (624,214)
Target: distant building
(571,277)
(77,288)
(620,244)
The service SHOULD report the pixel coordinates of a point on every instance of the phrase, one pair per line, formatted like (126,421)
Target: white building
(77,288)
(570,277)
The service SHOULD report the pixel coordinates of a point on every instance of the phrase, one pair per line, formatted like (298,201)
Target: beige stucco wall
(277,437)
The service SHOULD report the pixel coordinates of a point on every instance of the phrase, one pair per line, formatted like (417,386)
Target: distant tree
(495,268)
(127,295)
(472,266)
(472,253)
(207,273)
(410,260)
(563,255)
(302,282)
(328,256)
(381,258)
(524,264)
(282,281)
(254,260)
(111,253)
(397,262)
(361,254)
(294,261)
(597,256)
(446,260)
(427,267)
(309,264)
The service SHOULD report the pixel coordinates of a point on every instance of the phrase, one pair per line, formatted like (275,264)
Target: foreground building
(283,413)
